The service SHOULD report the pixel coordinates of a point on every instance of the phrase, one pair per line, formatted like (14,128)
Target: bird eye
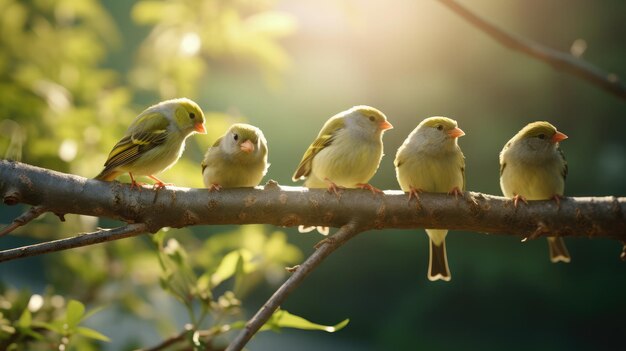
(192,115)
(236,137)
(541,136)
(439,127)
(372,118)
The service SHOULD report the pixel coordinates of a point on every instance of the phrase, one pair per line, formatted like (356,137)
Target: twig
(180,337)
(169,341)
(329,245)
(76,241)
(24,218)
(557,59)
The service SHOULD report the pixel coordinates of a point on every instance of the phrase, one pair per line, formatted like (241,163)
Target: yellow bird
(430,159)
(533,167)
(237,159)
(345,154)
(154,141)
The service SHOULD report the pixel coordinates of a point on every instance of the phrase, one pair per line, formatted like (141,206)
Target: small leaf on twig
(283,319)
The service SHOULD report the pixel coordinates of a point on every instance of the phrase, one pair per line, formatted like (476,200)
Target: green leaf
(74,313)
(92,334)
(240,275)
(56,326)
(238,325)
(25,319)
(228,266)
(203,286)
(284,319)
(25,324)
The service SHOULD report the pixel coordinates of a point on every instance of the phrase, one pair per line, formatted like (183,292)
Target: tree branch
(324,249)
(557,59)
(290,206)
(355,211)
(76,241)
(26,217)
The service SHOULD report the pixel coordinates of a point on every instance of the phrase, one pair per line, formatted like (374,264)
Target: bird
(154,141)
(431,160)
(345,154)
(237,159)
(533,167)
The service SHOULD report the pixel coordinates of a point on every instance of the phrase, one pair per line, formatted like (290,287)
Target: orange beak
(384,125)
(558,136)
(200,128)
(247,146)
(456,132)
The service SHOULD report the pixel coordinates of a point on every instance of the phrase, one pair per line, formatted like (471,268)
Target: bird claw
(517,198)
(473,200)
(557,199)
(138,185)
(160,185)
(369,187)
(456,192)
(334,188)
(215,187)
(414,193)
(134,183)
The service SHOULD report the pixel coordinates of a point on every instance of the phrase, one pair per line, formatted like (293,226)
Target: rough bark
(289,206)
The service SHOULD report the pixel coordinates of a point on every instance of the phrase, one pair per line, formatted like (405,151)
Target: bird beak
(247,146)
(200,128)
(558,136)
(456,132)
(384,125)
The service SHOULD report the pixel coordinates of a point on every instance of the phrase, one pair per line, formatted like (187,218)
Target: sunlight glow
(35,303)
(68,150)
(190,44)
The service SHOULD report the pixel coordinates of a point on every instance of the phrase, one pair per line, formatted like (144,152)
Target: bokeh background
(74,74)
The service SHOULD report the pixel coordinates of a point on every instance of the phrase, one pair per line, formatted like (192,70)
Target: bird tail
(558,250)
(108,175)
(438,265)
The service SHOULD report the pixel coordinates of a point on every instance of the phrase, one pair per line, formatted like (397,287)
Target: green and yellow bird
(533,167)
(154,141)
(236,159)
(346,152)
(431,160)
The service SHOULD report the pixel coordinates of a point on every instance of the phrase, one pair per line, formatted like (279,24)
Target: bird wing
(565,169)
(462,163)
(208,156)
(324,138)
(502,162)
(147,132)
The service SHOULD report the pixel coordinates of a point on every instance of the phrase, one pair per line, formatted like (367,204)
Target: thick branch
(557,59)
(325,248)
(290,206)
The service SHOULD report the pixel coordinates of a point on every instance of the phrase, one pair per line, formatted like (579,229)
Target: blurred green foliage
(62,108)
(73,74)
(43,322)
